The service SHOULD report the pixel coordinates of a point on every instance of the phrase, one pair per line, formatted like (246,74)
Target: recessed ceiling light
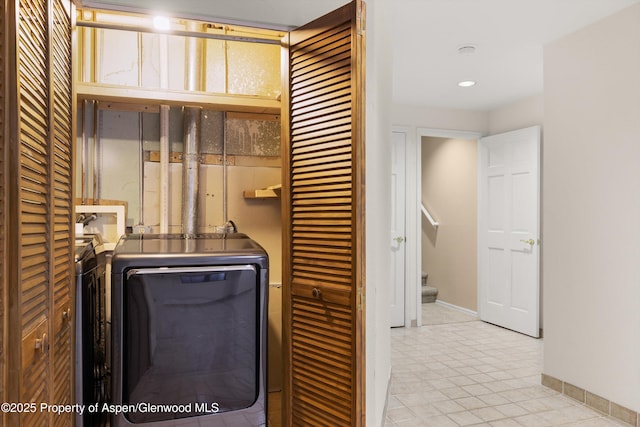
(467,49)
(161,23)
(466,83)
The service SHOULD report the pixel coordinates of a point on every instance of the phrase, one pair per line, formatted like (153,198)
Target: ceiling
(509,36)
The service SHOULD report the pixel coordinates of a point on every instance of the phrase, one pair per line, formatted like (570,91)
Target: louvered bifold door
(39,258)
(3,198)
(34,205)
(323,214)
(62,205)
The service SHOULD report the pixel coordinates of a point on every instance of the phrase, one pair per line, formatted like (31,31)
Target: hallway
(459,371)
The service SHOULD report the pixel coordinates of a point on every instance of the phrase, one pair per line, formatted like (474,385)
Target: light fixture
(466,83)
(161,23)
(467,49)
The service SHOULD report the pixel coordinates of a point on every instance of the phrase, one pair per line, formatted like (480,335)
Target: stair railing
(426,213)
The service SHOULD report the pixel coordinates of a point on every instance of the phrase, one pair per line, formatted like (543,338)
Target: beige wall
(517,115)
(449,192)
(591,208)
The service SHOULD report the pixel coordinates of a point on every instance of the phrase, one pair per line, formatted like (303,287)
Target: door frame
(409,291)
(413,225)
(408,298)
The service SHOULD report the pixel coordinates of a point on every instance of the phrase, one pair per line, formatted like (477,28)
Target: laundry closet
(183,130)
(117,123)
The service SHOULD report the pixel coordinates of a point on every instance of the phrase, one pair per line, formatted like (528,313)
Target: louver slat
(36,223)
(322,210)
(32,57)
(62,208)
(322,333)
(3,196)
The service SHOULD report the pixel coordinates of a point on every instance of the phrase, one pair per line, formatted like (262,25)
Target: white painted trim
(457,307)
(401,129)
(411,285)
(445,133)
(386,400)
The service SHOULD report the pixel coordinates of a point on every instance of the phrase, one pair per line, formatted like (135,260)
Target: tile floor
(458,371)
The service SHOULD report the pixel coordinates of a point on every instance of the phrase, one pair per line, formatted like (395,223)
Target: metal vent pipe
(190,170)
(191,151)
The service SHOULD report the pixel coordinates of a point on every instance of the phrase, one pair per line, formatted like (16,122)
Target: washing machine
(91,358)
(189,331)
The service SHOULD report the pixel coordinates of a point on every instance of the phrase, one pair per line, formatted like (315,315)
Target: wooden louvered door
(38,197)
(323,216)
(3,241)
(62,207)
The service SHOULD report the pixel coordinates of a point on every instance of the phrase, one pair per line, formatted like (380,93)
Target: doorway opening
(414,218)
(449,226)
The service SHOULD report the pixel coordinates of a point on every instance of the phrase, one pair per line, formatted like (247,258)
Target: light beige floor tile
(400,414)
(465,418)
(455,393)
(493,399)
(425,411)
(471,403)
(459,371)
(507,422)
(487,414)
(448,406)
(512,410)
(439,421)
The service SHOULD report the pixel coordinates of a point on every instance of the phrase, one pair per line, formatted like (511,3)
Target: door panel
(398,240)
(508,218)
(37,213)
(3,165)
(61,191)
(34,208)
(323,221)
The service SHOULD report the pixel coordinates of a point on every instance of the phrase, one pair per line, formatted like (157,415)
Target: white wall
(378,209)
(591,208)
(517,115)
(413,116)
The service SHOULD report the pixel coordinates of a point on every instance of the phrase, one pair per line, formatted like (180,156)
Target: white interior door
(508,230)
(398,238)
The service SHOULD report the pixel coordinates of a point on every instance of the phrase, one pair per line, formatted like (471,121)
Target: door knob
(42,344)
(399,239)
(530,241)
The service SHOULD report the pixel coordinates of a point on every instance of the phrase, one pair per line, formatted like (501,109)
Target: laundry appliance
(189,331)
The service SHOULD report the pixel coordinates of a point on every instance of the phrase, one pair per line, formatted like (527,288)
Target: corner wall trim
(593,401)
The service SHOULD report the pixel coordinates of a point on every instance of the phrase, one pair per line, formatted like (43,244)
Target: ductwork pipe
(164,169)
(191,152)
(190,170)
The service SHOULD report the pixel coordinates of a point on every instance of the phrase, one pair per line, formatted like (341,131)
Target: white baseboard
(456,307)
